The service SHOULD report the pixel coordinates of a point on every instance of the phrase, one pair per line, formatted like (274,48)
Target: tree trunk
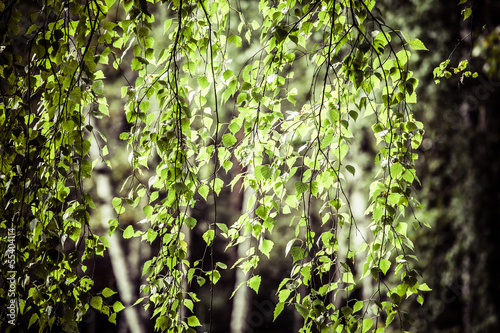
(121,268)
(241,299)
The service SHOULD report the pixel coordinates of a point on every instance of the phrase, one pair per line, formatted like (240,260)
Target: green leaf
(139,301)
(117,205)
(128,232)
(467,12)
(262,172)
(351,169)
(167,25)
(424,287)
(218,183)
(70,326)
(347,277)
(241,98)
(304,312)
(118,306)
(98,87)
(367,324)
(200,280)
(148,211)
(396,299)
(229,140)
(417,44)
(298,253)
(262,212)
(34,318)
(254,283)
(357,306)
(228,74)
(301,187)
(203,82)
(396,169)
(108,292)
(278,309)
(385,265)
(403,57)
(306,274)
(208,236)
(144,106)
(193,321)
(256,96)
(291,95)
(284,294)
(190,222)
(113,224)
(335,203)
(213,275)
(96,302)
(235,39)
(236,123)
(203,191)
(223,227)
(267,246)
(227,165)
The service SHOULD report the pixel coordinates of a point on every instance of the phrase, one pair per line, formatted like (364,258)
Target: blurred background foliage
(459,163)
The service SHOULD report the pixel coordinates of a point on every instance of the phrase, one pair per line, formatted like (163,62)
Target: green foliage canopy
(292,153)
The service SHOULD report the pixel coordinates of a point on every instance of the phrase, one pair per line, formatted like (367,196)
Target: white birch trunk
(241,299)
(119,263)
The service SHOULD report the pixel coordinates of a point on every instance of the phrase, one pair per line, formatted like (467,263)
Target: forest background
(458,167)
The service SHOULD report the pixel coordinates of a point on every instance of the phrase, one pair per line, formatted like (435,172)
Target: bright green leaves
(424,287)
(46,155)
(467,12)
(302,310)
(166,25)
(266,247)
(118,306)
(417,45)
(108,292)
(443,71)
(228,139)
(203,82)
(203,191)
(193,321)
(300,188)
(298,253)
(234,39)
(281,132)
(396,169)
(218,184)
(262,172)
(118,205)
(367,325)
(254,283)
(402,58)
(208,236)
(385,265)
(278,309)
(96,302)
(357,306)
(128,232)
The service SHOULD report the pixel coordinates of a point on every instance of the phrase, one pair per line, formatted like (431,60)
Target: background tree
(458,164)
